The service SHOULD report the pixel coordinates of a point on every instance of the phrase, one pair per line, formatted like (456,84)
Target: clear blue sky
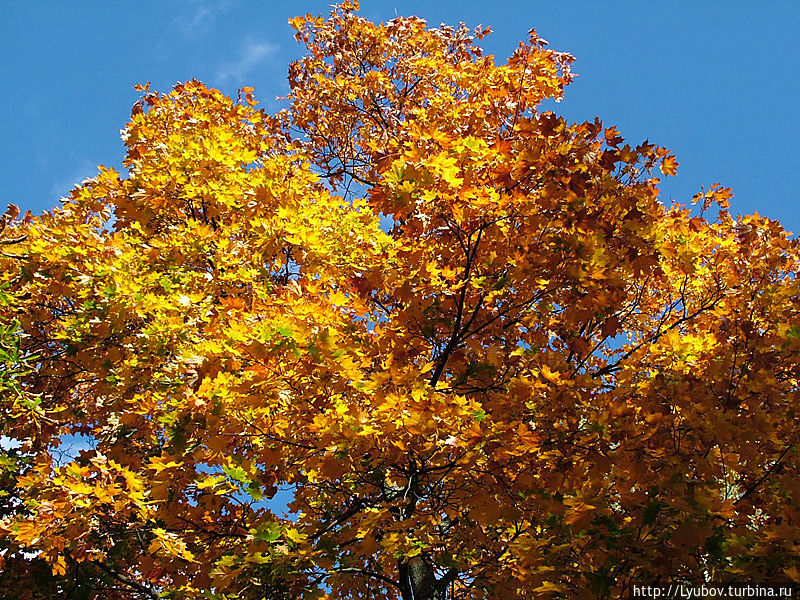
(716,82)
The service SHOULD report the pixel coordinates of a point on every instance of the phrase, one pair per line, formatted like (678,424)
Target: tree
(466,335)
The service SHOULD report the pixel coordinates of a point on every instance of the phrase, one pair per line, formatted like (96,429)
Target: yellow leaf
(669,166)
(295,536)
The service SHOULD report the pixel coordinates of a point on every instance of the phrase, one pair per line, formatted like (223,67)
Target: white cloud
(84,170)
(252,54)
(199,16)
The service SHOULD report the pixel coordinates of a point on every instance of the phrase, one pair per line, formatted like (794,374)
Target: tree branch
(764,477)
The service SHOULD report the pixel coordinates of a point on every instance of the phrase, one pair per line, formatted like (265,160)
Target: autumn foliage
(463,334)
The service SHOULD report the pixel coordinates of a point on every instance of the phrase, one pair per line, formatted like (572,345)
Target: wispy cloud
(84,168)
(252,54)
(199,16)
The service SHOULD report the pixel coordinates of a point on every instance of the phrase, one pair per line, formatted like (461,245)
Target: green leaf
(237,473)
(268,532)
(284,331)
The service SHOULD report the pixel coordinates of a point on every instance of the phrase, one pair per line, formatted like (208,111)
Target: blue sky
(716,82)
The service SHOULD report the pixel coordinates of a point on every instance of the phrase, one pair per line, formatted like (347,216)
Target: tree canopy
(464,334)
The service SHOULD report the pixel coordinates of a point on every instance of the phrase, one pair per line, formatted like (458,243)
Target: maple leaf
(669,166)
